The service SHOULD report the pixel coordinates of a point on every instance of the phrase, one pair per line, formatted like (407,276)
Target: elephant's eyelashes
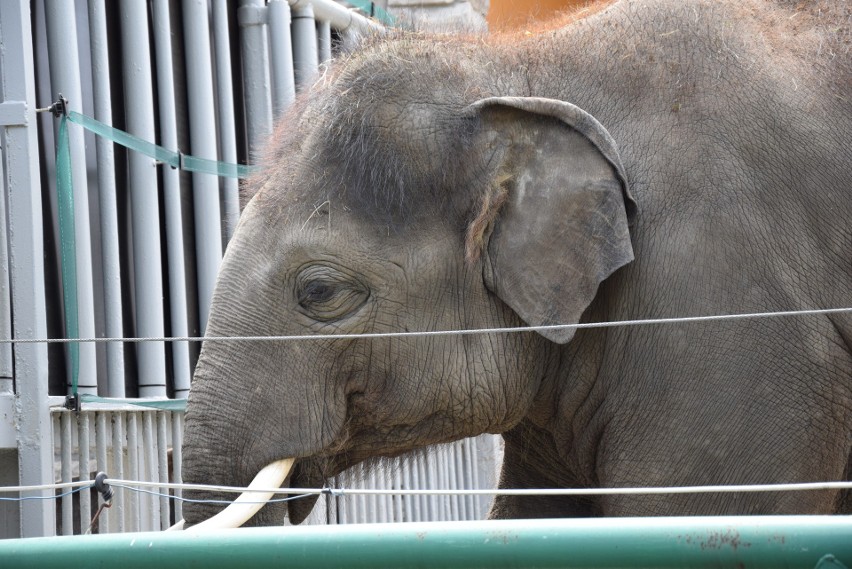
(326,294)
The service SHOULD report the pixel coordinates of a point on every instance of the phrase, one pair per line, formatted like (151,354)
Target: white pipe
(340,17)
(248,503)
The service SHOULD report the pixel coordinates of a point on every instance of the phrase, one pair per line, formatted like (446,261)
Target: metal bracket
(72,403)
(102,487)
(57,109)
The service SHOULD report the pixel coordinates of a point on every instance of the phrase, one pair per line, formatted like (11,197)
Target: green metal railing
(823,542)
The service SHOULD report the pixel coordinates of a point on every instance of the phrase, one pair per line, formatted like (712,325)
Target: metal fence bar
(6,377)
(177,458)
(202,134)
(281,56)
(324,41)
(61,25)
(26,264)
(66,475)
(163,467)
(256,88)
(142,180)
(101,443)
(107,202)
(118,509)
(133,471)
(227,120)
(149,512)
(305,54)
(398,507)
(181,366)
(426,509)
(469,464)
(83,444)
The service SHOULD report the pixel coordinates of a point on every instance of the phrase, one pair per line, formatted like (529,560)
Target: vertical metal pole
(163,467)
(281,52)
(65,471)
(150,510)
(305,48)
(398,510)
(83,468)
(227,126)
(6,377)
(171,194)
(423,482)
(374,506)
(479,502)
(133,471)
(469,463)
(118,444)
(101,443)
(324,41)
(202,132)
(148,273)
(407,502)
(26,265)
(110,260)
(65,79)
(251,17)
(343,515)
(361,512)
(177,459)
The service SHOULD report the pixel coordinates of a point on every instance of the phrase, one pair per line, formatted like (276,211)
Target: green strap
(161,404)
(169,157)
(376,12)
(65,200)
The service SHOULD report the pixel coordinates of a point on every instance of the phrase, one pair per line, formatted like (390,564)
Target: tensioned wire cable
(375,335)
(141,486)
(180,404)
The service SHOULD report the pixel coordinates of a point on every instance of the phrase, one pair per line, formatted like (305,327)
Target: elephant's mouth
(307,473)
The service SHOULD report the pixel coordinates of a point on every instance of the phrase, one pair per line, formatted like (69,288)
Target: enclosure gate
(206,78)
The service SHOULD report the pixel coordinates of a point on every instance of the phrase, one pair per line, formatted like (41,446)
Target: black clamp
(102,487)
(72,402)
(57,109)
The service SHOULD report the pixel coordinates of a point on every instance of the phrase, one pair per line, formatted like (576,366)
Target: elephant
(642,159)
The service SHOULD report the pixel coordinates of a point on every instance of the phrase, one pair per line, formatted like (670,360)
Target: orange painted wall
(513,14)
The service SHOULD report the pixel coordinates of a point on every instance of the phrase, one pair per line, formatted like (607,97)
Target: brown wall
(514,14)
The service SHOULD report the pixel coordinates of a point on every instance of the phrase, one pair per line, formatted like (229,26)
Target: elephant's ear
(554,221)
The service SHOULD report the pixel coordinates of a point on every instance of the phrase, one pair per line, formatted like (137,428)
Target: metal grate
(144,445)
(127,444)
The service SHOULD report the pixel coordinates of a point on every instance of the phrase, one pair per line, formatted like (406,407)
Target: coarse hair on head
(383,133)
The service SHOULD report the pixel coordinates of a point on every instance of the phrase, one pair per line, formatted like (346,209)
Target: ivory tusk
(178,526)
(247,504)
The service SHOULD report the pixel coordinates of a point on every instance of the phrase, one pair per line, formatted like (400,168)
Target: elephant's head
(384,210)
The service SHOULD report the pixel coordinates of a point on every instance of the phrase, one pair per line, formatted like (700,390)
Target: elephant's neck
(569,405)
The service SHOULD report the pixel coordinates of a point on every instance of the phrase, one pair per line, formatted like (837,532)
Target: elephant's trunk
(248,503)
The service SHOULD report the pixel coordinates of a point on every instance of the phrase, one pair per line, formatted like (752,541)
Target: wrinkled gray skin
(400,197)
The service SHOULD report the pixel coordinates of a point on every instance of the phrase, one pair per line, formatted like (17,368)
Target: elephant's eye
(325,293)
